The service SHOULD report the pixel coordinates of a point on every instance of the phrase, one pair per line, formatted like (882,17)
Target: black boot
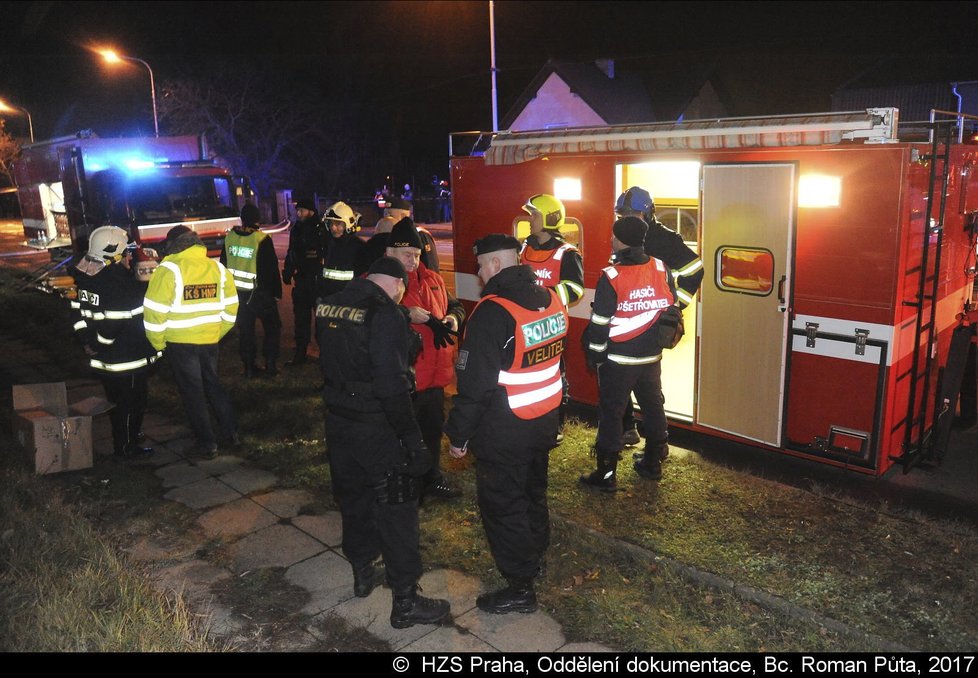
(659,450)
(517,596)
(410,608)
(603,478)
(271,369)
(367,578)
(298,359)
(650,466)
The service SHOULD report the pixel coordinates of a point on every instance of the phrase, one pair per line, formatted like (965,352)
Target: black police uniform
(511,453)
(370,428)
(304,265)
(107,318)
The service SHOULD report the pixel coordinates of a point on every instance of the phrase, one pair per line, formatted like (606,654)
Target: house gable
(556,105)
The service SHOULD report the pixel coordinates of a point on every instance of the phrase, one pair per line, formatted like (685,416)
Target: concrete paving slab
(328,578)
(285,503)
(585,648)
(246,480)
(177,445)
(203,494)
(191,579)
(373,614)
(158,547)
(162,455)
(219,465)
(179,474)
(536,632)
(274,546)
(221,622)
(448,639)
(166,429)
(459,589)
(327,528)
(236,518)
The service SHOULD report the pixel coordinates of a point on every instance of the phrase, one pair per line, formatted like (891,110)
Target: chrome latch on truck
(861,336)
(811,329)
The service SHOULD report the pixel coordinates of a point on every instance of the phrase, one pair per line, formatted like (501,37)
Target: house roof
(619,99)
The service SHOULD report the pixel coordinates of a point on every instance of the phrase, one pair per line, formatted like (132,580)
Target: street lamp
(112,57)
(4,106)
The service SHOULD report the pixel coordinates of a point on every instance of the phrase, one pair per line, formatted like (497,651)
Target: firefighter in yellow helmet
(556,264)
(191,303)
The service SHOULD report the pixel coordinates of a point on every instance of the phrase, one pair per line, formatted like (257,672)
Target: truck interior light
(819,190)
(567,188)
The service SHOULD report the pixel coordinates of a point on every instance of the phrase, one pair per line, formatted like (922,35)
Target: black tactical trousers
(304,311)
(127,391)
(615,386)
(271,323)
(429,410)
(361,454)
(195,373)
(513,503)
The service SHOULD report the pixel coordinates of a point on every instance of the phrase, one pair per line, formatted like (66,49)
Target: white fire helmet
(340,211)
(107,242)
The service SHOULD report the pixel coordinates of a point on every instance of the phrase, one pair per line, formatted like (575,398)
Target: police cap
(389,266)
(495,242)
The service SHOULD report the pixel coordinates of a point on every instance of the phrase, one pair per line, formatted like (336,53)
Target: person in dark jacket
(668,247)
(505,411)
(107,318)
(304,265)
(249,255)
(376,452)
(343,254)
(631,298)
(398,209)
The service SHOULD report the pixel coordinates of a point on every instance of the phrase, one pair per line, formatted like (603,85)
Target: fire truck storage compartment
(824,262)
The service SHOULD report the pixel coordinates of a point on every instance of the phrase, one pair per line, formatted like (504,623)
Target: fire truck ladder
(917,441)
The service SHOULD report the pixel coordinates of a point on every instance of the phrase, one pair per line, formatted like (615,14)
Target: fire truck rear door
(748,225)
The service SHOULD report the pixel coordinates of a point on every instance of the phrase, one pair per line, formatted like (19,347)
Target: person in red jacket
(436,316)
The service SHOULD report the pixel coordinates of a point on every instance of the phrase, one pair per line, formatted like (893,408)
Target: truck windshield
(158,200)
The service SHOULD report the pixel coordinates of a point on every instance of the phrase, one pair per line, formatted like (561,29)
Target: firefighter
(668,247)
(376,452)
(509,389)
(304,265)
(191,303)
(631,299)
(108,322)
(249,255)
(343,253)
(557,264)
(436,316)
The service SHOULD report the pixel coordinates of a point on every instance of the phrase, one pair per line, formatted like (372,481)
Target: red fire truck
(839,264)
(71,185)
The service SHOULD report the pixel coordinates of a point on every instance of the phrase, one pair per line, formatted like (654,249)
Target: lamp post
(112,57)
(4,106)
(492,66)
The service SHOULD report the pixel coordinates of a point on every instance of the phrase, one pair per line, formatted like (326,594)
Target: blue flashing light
(136,164)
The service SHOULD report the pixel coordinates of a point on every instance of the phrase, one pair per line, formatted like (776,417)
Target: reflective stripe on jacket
(547,266)
(191,299)
(532,383)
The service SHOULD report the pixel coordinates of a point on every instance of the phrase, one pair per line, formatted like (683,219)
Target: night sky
(429,60)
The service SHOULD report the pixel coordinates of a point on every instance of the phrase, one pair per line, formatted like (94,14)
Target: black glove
(286,276)
(443,333)
(595,359)
(417,458)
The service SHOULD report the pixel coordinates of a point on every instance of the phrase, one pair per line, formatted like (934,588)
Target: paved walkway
(263,526)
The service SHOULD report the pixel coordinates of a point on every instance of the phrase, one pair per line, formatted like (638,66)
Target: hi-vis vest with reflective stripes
(546,267)
(198,310)
(533,383)
(242,258)
(642,292)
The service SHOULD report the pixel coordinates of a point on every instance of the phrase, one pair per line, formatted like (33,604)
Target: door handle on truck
(781,304)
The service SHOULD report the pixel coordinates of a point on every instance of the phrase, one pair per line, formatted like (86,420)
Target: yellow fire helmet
(549,207)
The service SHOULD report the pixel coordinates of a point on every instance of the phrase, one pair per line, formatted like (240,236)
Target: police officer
(668,247)
(509,389)
(107,317)
(557,264)
(304,265)
(249,255)
(343,255)
(376,453)
(191,303)
(630,301)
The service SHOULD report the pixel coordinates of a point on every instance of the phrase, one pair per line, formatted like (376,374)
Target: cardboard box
(56,437)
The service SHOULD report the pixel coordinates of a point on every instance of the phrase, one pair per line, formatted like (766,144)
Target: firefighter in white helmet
(108,322)
(556,263)
(343,252)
